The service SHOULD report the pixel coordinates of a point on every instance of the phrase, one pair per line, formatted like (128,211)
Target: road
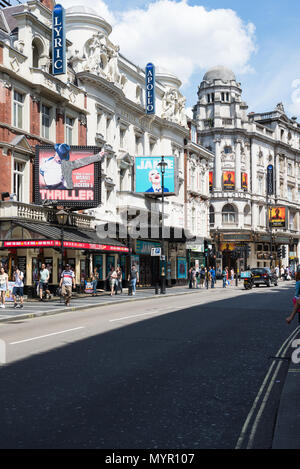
(177,372)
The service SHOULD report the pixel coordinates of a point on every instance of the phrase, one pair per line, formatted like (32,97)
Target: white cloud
(179,37)
(184,38)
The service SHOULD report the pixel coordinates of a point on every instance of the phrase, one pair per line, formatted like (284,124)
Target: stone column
(218,165)
(238,164)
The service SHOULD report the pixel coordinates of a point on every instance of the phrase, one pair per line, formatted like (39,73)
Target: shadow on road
(186,379)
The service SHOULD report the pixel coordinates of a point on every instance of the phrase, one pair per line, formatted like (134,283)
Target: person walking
(194,278)
(95,278)
(112,278)
(18,289)
(3,285)
(202,276)
(43,282)
(207,278)
(133,278)
(232,276)
(224,276)
(190,279)
(119,280)
(213,277)
(67,281)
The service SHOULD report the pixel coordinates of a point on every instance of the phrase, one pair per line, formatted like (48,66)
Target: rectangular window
(290,193)
(18,109)
(18,180)
(69,130)
(139,148)
(46,121)
(122,138)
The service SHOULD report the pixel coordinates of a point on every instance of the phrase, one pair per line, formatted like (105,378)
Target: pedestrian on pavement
(194,278)
(296,300)
(43,282)
(198,277)
(225,276)
(202,276)
(95,278)
(277,271)
(3,285)
(67,281)
(212,276)
(18,289)
(133,278)
(112,278)
(119,280)
(190,279)
(207,278)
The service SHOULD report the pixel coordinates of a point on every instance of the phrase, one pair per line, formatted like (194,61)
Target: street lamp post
(162,164)
(62,217)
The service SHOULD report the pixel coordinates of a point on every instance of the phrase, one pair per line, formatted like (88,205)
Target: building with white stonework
(244,145)
(100,100)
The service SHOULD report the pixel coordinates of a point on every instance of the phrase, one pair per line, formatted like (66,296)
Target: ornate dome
(82,9)
(219,73)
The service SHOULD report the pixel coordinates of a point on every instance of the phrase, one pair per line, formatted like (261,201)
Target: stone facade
(244,145)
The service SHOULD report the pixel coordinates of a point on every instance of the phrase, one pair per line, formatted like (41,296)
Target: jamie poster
(277,217)
(148,176)
(181,267)
(67,175)
(229,180)
(244,177)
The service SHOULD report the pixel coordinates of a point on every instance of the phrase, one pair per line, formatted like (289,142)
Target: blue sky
(258,40)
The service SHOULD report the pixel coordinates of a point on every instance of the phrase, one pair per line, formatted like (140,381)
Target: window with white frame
(229,214)
(290,193)
(18,109)
(69,130)
(290,169)
(46,121)
(122,137)
(139,147)
(18,180)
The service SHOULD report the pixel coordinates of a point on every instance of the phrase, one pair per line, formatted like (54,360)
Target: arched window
(229,214)
(211,215)
(247,215)
(37,51)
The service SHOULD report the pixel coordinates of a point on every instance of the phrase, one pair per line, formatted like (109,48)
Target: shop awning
(50,236)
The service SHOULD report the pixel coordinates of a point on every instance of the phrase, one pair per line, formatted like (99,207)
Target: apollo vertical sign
(150,89)
(58,41)
(270,180)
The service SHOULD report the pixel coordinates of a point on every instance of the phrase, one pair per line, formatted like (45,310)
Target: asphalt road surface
(180,372)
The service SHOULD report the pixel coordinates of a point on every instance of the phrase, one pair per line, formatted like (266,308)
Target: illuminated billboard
(278,217)
(229,180)
(68,175)
(148,176)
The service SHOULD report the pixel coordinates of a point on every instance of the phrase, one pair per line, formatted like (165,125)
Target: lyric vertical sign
(270,180)
(58,41)
(150,89)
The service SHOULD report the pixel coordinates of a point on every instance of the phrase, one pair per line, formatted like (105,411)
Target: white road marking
(268,391)
(44,336)
(133,316)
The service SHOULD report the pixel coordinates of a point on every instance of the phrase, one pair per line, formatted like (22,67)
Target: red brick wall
(5,106)
(35,126)
(48,3)
(5,173)
(1,54)
(60,127)
(82,135)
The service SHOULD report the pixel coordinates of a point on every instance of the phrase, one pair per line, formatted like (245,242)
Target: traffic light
(206,250)
(283,251)
(279,252)
(247,250)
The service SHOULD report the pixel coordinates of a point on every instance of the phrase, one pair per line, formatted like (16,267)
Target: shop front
(148,266)
(83,255)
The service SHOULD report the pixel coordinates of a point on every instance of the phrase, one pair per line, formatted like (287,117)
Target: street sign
(155,252)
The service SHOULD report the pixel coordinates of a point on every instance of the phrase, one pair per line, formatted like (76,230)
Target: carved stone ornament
(173,106)
(101,58)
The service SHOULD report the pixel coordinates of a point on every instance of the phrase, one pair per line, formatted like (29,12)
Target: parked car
(264,276)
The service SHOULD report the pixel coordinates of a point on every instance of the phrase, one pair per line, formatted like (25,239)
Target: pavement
(35,308)
(287,430)
(287,427)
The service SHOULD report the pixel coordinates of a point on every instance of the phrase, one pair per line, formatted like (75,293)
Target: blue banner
(150,88)
(148,177)
(58,41)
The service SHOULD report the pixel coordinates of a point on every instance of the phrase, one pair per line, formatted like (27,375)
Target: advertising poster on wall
(211,181)
(277,217)
(148,177)
(229,180)
(244,182)
(68,175)
(181,267)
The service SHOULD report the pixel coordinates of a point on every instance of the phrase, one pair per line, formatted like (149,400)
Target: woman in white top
(3,286)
